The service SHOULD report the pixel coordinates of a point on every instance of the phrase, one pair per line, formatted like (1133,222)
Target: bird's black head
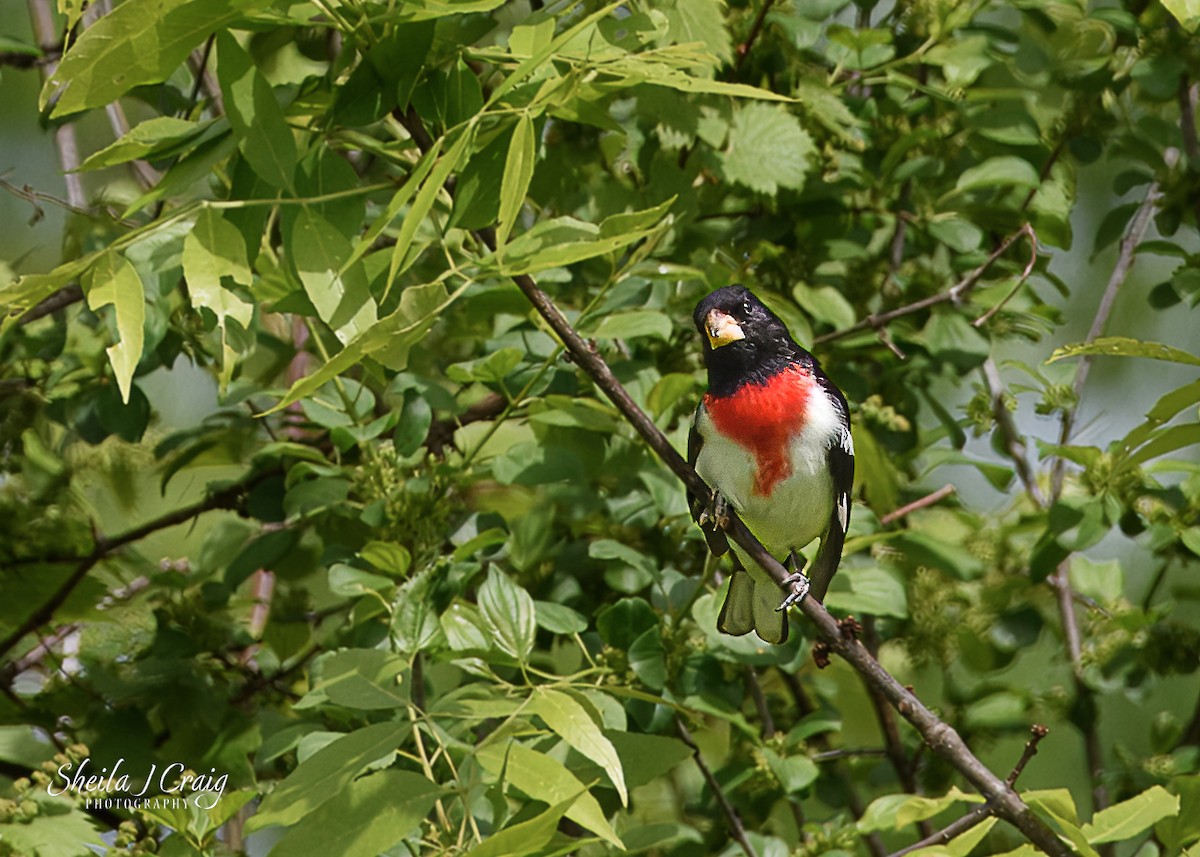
(743,340)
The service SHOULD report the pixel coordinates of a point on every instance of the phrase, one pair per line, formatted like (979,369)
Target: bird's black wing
(841,469)
(717,543)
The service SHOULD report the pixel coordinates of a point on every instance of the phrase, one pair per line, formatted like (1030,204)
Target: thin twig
(853,799)
(1014,444)
(984,810)
(736,830)
(743,50)
(938,734)
(1033,256)
(954,294)
(930,499)
(760,701)
(847,753)
(1125,259)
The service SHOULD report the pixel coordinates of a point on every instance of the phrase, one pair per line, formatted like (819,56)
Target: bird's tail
(753,606)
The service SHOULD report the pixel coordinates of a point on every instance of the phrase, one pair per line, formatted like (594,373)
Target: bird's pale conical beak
(722,328)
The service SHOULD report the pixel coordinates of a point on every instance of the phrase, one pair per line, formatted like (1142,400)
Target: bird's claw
(716,513)
(799,585)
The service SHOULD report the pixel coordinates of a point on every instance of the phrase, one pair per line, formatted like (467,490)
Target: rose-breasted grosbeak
(772,439)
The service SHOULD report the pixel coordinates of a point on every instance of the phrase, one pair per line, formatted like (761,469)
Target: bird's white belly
(798,508)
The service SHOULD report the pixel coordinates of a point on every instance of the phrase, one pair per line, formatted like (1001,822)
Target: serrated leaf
(548,780)
(138,42)
(571,722)
(114,281)
(1123,346)
(700,21)
(518,172)
(264,137)
(767,149)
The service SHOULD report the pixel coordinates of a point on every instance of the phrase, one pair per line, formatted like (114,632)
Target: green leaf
(565,240)
(112,280)
(1168,440)
(767,149)
(528,837)
(1130,817)
(518,172)
(327,772)
(645,758)
(1186,12)
(559,618)
(362,679)
(212,250)
(571,722)
(439,171)
(265,139)
(824,303)
(700,21)
(873,591)
(1103,581)
(425,10)
(1123,346)
(138,42)
(56,831)
(509,612)
(795,773)
(420,307)
(1002,171)
(154,138)
(632,324)
(1183,829)
(339,294)
(367,816)
(548,780)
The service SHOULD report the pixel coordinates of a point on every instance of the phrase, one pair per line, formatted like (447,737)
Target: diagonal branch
(226,498)
(736,830)
(954,294)
(936,733)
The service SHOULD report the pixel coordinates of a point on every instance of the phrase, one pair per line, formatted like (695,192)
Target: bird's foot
(797,581)
(716,513)
(799,585)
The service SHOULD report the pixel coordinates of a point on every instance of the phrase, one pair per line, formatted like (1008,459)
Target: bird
(771,438)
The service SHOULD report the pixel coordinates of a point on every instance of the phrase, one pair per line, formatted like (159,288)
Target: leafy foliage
(416,586)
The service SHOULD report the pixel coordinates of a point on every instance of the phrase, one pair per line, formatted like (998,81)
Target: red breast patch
(763,418)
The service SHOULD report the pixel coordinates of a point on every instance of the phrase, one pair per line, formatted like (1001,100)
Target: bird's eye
(746,308)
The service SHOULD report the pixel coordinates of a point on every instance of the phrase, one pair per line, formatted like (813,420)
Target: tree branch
(931,499)
(226,498)
(954,294)
(743,50)
(42,20)
(985,810)
(939,735)
(736,830)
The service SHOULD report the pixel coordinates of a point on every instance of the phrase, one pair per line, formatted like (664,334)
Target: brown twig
(847,753)
(1014,444)
(1033,256)
(743,50)
(938,734)
(984,810)
(760,701)
(854,800)
(954,294)
(736,830)
(930,499)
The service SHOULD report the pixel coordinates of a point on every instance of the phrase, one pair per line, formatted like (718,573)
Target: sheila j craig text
(111,789)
